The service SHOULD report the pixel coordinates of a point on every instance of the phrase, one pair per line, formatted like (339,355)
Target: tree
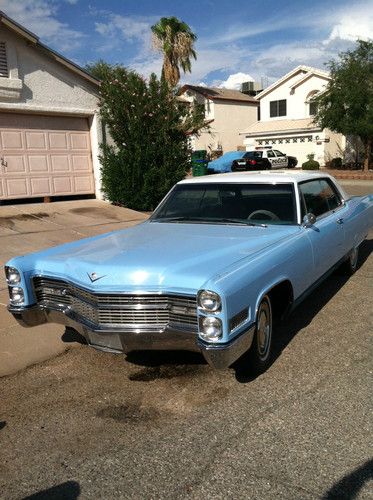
(148,126)
(175,40)
(100,69)
(346,106)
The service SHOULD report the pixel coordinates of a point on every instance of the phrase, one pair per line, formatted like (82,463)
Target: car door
(281,158)
(272,158)
(327,234)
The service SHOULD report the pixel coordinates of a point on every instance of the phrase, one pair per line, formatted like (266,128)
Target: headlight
(16,295)
(211,328)
(12,275)
(209,301)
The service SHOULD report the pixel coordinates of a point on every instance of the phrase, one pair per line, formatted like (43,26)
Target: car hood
(155,256)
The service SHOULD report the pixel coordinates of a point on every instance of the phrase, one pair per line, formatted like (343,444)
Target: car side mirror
(309,219)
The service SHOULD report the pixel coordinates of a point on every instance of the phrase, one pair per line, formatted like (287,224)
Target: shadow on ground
(350,485)
(65,491)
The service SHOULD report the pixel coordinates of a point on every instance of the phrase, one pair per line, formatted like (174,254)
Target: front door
(327,235)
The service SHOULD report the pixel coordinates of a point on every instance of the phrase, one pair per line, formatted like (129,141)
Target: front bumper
(116,340)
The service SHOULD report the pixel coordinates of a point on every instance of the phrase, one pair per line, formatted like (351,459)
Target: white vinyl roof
(259,176)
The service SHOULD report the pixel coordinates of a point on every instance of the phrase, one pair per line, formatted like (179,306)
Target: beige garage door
(44,156)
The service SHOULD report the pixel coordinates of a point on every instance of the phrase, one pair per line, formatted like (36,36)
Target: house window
(309,138)
(277,108)
(280,141)
(266,142)
(3,61)
(313,108)
(302,139)
(287,141)
(260,143)
(295,139)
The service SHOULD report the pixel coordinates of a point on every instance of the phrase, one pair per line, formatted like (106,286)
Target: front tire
(260,352)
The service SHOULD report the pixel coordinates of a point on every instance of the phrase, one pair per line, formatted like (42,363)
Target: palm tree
(175,40)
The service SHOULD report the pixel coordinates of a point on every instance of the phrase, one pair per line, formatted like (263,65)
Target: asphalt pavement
(89,424)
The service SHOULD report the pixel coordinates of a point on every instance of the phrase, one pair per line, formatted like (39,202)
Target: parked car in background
(263,158)
(224,163)
(260,158)
(219,261)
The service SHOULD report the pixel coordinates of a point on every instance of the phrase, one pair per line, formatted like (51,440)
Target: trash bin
(200,154)
(199,167)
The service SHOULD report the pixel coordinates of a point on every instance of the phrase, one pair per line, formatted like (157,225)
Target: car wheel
(260,352)
(350,265)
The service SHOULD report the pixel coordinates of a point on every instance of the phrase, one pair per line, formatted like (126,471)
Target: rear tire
(260,352)
(350,265)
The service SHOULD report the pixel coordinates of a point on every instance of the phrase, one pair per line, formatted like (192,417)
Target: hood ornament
(94,277)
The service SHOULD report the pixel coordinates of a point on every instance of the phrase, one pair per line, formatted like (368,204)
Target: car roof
(266,176)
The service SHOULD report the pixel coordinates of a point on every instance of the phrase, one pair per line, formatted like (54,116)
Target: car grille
(118,310)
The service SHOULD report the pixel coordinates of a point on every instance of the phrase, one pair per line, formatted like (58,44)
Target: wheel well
(281,297)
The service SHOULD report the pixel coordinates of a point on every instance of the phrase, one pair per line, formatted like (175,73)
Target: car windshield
(214,203)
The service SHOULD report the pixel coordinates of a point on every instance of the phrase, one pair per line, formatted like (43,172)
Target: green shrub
(336,163)
(311,164)
(148,125)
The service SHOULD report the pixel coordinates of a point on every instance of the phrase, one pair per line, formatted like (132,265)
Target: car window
(253,154)
(213,202)
(318,197)
(278,153)
(271,154)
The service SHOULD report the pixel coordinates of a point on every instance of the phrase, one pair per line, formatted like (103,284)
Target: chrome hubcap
(353,257)
(264,333)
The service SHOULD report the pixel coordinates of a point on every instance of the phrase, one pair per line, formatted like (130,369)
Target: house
(286,118)
(227,112)
(49,127)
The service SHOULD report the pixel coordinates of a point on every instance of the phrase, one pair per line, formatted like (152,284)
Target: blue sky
(264,38)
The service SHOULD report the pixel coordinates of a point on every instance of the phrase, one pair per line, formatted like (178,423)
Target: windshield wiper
(238,221)
(181,219)
(219,220)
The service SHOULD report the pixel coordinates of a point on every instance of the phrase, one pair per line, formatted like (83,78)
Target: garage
(44,155)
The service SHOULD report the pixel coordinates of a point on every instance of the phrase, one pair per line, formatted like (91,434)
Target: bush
(148,126)
(336,163)
(311,164)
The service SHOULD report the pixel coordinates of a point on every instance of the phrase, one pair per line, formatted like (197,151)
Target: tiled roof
(216,93)
(280,126)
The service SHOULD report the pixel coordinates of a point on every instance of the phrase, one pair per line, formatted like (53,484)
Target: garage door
(44,156)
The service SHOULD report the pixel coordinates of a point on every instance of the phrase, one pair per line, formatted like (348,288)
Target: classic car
(224,163)
(218,262)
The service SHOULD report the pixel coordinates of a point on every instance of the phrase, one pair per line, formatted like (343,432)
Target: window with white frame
(277,108)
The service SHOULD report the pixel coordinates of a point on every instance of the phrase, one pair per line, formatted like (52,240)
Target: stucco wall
(229,119)
(296,106)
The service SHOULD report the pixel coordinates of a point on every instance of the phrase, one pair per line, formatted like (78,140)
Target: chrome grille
(119,310)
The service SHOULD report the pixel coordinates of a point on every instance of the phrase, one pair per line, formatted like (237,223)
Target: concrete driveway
(32,227)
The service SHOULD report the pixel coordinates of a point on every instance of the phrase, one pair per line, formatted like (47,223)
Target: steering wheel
(267,215)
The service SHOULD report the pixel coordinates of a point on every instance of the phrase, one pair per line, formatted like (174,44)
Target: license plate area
(106,340)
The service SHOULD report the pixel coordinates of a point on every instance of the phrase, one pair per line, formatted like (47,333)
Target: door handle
(340,221)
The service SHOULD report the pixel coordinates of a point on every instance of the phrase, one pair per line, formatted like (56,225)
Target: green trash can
(200,154)
(199,167)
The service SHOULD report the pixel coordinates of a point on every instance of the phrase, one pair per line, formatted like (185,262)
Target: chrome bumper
(116,340)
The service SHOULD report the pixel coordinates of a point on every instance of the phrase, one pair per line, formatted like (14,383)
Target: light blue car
(224,163)
(219,261)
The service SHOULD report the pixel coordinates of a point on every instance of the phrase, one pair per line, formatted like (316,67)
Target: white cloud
(354,26)
(236,80)
(40,17)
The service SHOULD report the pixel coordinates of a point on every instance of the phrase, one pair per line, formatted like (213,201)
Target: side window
(329,193)
(271,154)
(278,153)
(319,197)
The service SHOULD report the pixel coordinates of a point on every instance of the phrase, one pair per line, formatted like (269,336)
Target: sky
(238,40)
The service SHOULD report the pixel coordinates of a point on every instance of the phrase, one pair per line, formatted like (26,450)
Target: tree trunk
(368,151)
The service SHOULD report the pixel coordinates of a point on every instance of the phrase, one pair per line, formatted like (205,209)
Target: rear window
(253,155)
